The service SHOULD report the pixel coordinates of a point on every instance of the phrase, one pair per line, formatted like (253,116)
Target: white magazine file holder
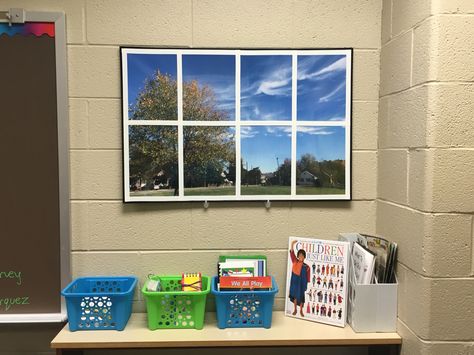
(371,307)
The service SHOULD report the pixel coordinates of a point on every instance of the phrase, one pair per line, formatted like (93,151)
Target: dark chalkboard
(31,215)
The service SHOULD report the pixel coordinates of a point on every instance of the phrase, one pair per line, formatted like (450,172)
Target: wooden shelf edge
(137,335)
(222,343)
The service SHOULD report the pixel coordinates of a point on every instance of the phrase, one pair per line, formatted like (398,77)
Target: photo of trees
(321,165)
(266,160)
(212,124)
(153,160)
(209,161)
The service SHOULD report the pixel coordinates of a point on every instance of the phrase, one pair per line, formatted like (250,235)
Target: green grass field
(209,191)
(265,190)
(230,190)
(286,190)
(311,190)
(169,192)
(262,190)
(245,190)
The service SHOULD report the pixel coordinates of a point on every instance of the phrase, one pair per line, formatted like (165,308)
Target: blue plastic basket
(244,309)
(95,303)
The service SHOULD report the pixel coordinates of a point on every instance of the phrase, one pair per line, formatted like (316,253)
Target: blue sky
(217,72)
(324,143)
(321,88)
(265,87)
(261,145)
(143,66)
(265,83)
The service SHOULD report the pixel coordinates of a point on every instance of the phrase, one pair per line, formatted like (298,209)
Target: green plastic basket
(172,308)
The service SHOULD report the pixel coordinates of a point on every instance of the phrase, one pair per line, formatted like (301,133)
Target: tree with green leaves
(153,153)
(283,174)
(208,151)
(329,173)
(307,162)
(158,100)
(333,173)
(208,156)
(253,176)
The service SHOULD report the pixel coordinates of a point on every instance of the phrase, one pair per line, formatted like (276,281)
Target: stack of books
(243,272)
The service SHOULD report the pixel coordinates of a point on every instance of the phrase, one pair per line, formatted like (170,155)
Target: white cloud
(314,131)
(333,93)
(276,83)
(279,131)
(248,91)
(275,88)
(224,91)
(305,74)
(247,132)
(250,111)
(337,118)
(269,116)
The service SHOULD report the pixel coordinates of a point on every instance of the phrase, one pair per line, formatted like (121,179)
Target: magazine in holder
(371,307)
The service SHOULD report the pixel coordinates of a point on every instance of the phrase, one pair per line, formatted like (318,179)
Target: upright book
(317,280)
(363,262)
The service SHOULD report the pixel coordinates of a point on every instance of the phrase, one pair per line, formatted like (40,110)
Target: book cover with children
(317,280)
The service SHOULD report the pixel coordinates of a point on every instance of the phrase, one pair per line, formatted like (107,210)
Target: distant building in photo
(306,178)
(266,177)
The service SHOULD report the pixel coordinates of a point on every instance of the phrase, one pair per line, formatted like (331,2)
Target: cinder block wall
(109,237)
(426,169)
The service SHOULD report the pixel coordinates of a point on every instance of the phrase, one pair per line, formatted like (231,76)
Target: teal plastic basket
(244,309)
(99,303)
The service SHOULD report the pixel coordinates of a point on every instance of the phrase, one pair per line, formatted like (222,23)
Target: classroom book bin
(172,308)
(244,309)
(99,303)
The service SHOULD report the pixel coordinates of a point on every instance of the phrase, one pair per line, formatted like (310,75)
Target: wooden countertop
(284,331)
